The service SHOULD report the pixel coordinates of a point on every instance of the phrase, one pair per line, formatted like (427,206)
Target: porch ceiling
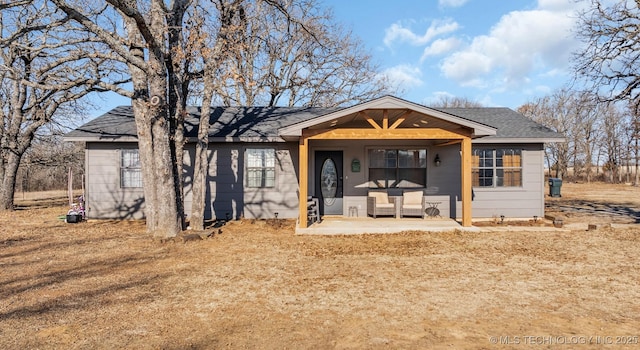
(407,119)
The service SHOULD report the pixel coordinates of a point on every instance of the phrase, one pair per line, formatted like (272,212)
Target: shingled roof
(254,124)
(509,124)
(226,123)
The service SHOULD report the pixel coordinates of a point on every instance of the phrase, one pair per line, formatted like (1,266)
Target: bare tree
(147,37)
(610,59)
(294,54)
(43,73)
(446,101)
(557,113)
(230,18)
(277,53)
(165,45)
(587,115)
(633,141)
(614,137)
(597,133)
(46,164)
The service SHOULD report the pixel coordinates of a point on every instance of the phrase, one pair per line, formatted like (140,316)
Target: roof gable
(426,117)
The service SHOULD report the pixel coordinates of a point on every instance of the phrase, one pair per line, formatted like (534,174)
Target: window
(397,168)
(261,167)
(497,167)
(130,172)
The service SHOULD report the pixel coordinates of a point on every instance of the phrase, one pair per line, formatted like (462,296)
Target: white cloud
(542,90)
(439,47)
(467,67)
(404,76)
(451,3)
(556,5)
(398,33)
(521,42)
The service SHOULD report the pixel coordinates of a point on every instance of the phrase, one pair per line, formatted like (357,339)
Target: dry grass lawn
(106,284)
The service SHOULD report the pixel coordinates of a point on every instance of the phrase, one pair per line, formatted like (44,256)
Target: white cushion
(384,205)
(412,197)
(412,206)
(381,197)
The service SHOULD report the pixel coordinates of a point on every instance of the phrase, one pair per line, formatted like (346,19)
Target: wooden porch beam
(467,192)
(448,143)
(384,134)
(303,181)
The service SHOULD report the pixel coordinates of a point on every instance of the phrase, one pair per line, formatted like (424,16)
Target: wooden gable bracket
(385,120)
(370,120)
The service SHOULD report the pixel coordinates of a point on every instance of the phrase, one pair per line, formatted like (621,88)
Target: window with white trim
(130,170)
(397,168)
(500,167)
(261,167)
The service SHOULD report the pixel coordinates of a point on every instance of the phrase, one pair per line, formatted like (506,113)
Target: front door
(328,181)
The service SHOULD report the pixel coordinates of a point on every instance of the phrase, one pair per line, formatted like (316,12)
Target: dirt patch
(254,284)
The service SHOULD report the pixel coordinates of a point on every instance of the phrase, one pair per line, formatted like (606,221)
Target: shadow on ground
(594,209)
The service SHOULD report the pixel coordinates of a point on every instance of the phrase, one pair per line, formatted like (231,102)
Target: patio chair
(413,204)
(379,203)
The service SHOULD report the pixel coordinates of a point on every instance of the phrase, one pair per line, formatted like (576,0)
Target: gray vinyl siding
(514,202)
(104,198)
(445,180)
(228,194)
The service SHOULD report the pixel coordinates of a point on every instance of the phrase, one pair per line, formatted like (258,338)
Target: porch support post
(303,181)
(466,181)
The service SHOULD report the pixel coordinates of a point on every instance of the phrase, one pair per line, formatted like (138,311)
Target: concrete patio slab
(345,226)
(337,225)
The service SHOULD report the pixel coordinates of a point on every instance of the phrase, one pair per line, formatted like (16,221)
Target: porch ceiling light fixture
(437,160)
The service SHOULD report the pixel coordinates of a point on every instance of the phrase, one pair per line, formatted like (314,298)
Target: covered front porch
(358,141)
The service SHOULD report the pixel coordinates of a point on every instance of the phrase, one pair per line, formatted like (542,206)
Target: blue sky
(497,52)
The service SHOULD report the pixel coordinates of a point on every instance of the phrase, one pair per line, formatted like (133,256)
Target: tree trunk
(201,165)
(164,219)
(637,157)
(10,171)
(177,97)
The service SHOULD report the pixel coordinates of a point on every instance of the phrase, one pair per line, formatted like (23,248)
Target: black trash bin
(554,187)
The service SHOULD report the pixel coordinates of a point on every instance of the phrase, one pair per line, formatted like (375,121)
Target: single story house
(469,162)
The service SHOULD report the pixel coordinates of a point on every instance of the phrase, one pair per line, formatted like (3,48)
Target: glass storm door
(328,181)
